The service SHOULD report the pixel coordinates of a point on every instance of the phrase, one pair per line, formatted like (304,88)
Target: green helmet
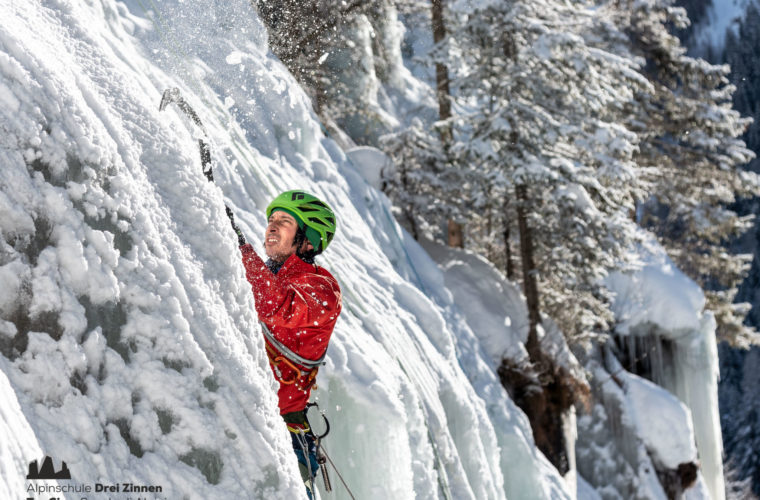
(309,211)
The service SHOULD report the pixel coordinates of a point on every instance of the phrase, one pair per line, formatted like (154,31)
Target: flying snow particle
(234,57)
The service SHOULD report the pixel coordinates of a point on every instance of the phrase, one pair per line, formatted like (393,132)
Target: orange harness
(276,358)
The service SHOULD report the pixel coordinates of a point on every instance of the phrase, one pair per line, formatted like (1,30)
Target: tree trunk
(443,93)
(509,265)
(408,212)
(485,234)
(546,405)
(441,71)
(456,234)
(530,285)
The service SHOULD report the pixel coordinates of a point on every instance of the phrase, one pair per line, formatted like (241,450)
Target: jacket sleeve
(310,300)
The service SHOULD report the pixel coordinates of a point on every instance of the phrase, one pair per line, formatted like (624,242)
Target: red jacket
(299,305)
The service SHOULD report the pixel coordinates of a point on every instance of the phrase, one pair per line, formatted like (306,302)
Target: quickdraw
(321,456)
(324,418)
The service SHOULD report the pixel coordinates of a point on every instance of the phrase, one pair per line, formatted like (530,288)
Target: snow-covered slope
(129,343)
(636,439)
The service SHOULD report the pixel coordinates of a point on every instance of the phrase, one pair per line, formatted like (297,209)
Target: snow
(661,301)
(611,456)
(491,303)
(669,437)
(586,491)
(18,441)
(130,347)
(659,293)
(371,164)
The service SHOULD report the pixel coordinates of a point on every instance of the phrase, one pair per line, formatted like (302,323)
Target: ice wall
(128,334)
(18,441)
(666,333)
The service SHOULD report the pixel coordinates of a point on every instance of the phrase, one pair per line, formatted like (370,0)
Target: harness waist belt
(292,356)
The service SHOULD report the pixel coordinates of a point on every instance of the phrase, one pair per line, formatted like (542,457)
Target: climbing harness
(276,359)
(292,356)
(279,353)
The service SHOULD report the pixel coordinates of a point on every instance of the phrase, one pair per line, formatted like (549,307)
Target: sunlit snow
(129,342)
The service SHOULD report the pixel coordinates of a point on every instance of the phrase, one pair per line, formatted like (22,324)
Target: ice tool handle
(173,95)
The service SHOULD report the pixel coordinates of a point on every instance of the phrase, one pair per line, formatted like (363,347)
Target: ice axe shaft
(173,95)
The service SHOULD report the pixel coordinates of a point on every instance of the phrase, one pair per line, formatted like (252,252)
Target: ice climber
(298,303)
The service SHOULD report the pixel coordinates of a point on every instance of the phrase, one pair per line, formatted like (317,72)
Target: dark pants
(305,442)
(305,448)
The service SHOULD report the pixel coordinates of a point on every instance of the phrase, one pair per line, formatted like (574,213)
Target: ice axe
(173,95)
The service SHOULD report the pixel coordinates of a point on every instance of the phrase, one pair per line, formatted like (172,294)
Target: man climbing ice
(298,303)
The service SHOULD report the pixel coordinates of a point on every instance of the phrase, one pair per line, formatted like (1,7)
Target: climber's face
(280,233)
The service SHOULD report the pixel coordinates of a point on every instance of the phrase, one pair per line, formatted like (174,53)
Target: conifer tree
(689,136)
(543,110)
(443,92)
(742,54)
(426,185)
(423,186)
(540,124)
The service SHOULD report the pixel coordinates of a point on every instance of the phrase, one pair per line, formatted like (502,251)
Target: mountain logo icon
(47,471)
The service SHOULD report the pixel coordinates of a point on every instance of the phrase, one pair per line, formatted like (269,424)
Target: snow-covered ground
(129,346)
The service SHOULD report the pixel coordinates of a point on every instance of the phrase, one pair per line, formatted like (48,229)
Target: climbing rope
(303,443)
(350,493)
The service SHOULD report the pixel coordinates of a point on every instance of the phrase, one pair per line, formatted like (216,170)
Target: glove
(238,232)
